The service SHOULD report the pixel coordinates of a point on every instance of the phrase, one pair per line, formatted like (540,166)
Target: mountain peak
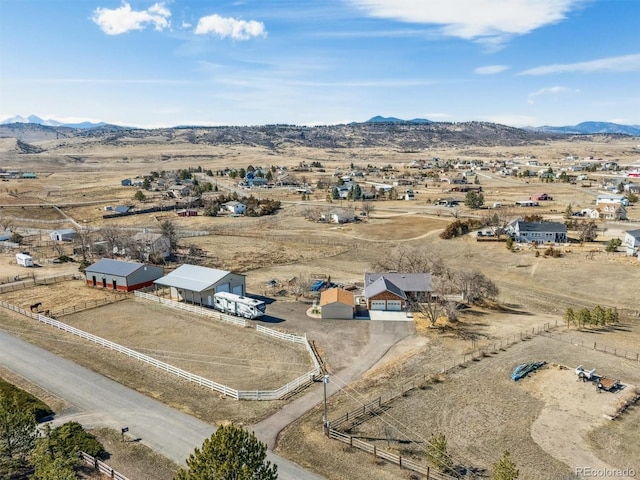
(34,119)
(380,119)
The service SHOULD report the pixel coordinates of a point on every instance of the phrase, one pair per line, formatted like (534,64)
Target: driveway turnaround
(99,401)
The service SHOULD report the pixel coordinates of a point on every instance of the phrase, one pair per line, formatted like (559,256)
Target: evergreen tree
(437,453)
(17,434)
(231,453)
(569,316)
(505,469)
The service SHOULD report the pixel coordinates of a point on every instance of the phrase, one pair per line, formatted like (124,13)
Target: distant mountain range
(50,123)
(591,128)
(379,119)
(584,128)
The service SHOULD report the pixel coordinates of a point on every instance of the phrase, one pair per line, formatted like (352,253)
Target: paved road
(97,400)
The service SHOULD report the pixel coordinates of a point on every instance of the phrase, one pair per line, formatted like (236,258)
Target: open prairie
(479,409)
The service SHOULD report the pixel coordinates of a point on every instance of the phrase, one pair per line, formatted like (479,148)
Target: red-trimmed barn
(120,275)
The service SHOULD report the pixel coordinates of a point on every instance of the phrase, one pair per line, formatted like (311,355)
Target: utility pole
(325,420)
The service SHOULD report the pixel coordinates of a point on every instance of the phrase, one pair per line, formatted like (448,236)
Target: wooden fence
(403,462)
(116,297)
(28,282)
(101,467)
(600,347)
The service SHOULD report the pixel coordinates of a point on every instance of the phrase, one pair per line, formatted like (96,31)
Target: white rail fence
(281,392)
(206,312)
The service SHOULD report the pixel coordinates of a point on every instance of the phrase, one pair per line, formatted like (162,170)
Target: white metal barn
(194,284)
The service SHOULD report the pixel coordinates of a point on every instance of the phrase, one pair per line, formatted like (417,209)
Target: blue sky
(251,62)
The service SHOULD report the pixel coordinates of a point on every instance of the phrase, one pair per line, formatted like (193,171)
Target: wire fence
(22,282)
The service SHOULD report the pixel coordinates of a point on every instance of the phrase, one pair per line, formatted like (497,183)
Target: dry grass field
(479,408)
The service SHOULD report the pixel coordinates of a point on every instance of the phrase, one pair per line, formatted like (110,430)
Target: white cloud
(230,27)
(490,69)
(474,19)
(554,91)
(624,63)
(123,19)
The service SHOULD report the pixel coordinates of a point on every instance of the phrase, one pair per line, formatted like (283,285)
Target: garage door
(225,287)
(378,304)
(394,305)
(238,290)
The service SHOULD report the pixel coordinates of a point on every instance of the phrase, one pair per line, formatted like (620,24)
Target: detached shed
(120,275)
(63,235)
(195,284)
(337,303)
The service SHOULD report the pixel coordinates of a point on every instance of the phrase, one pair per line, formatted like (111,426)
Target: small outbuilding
(195,284)
(337,303)
(63,235)
(236,208)
(120,275)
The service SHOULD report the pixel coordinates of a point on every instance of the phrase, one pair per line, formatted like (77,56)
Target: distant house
(63,235)
(121,276)
(126,182)
(611,198)
(540,196)
(151,244)
(632,241)
(236,208)
(29,175)
(526,203)
(194,284)
(179,190)
(409,195)
(539,232)
(338,216)
(611,211)
(337,303)
(252,180)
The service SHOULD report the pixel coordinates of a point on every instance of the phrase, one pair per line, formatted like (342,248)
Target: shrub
(39,408)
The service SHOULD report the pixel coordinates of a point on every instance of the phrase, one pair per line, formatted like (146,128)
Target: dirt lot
(549,422)
(202,346)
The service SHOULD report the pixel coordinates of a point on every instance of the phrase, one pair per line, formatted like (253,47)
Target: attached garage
(223,288)
(378,305)
(394,305)
(383,294)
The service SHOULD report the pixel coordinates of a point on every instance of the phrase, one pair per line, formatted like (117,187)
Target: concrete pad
(381,315)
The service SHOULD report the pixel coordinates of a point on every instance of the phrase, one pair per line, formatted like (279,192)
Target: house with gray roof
(121,276)
(382,294)
(539,232)
(195,284)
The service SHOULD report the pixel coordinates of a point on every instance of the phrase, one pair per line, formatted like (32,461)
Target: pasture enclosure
(237,357)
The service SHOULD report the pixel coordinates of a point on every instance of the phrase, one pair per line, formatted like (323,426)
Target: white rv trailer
(238,305)
(24,259)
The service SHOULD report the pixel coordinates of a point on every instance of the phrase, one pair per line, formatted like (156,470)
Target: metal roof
(381,285)
(118,268)
(193,278)
(407,282)
(555,227)
(64,231)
